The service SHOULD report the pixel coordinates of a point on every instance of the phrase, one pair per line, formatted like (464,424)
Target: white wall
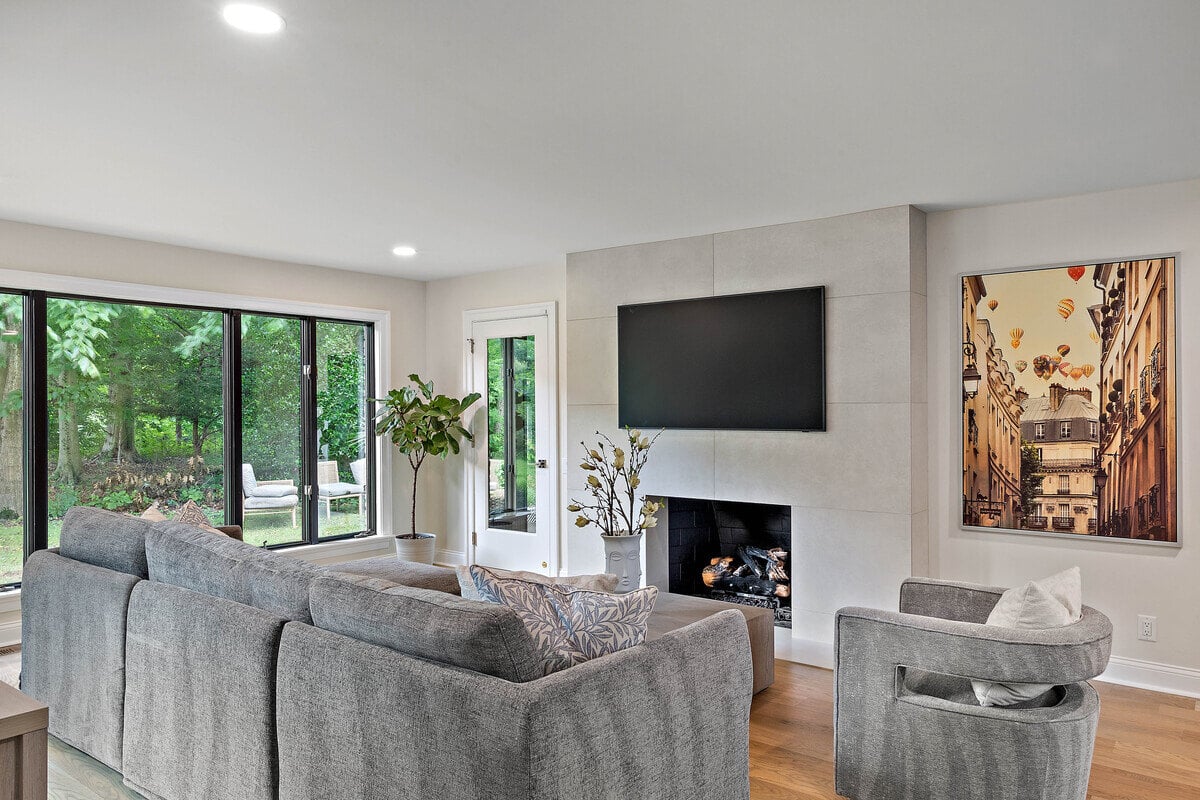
(34,248)
(857,492)
(444,491)
(1121,579)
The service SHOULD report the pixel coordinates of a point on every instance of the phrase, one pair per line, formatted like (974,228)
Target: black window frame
(36,428)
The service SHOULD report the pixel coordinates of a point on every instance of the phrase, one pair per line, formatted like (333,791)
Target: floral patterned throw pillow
(571,625)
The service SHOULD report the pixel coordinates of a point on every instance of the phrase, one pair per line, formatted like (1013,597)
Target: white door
(510,364)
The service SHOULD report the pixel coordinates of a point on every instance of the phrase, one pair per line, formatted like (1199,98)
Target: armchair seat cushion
(271,502)
(339,489)
(960,690)
(271,490)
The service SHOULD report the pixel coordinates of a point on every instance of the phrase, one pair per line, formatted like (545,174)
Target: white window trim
(18,280)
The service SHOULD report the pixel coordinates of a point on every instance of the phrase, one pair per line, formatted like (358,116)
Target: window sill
(332,552)
(326,552)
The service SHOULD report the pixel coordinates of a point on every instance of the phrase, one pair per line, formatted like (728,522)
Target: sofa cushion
(339,489)
(427,624)
(187,556)
(570,626)
(105,539)
(404,573)
(601,582)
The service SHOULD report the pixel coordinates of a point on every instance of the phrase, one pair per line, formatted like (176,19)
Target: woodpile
(753,571)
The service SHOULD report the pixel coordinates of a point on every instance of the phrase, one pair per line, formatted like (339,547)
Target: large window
(263,421)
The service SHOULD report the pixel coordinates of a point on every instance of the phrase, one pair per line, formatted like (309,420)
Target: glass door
(513,511)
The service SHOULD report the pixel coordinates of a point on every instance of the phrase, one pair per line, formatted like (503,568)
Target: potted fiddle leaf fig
(421,424)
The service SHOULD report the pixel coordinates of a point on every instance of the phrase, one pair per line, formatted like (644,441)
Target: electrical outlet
(1147,628)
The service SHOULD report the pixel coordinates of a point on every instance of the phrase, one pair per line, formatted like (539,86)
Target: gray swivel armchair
(908,727)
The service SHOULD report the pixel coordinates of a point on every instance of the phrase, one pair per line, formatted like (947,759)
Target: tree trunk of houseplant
(413,546)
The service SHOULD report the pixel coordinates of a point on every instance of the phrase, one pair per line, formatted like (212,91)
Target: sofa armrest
(964,602)
(666,719)
(886,639)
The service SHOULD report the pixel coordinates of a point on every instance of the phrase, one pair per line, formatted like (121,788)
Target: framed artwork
(1069,405)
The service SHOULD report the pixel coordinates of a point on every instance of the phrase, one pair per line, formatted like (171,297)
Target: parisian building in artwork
(991,424)
(1062,425)
(1136,324)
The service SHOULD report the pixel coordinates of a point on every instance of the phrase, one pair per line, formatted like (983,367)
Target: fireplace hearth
(731,551)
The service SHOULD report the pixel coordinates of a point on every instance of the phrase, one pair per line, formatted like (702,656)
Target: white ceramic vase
(623,558)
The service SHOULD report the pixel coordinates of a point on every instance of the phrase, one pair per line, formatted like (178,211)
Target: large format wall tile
(861,463)
(867,351)
(600,280)
(592,362)
(861,558)
(863,253)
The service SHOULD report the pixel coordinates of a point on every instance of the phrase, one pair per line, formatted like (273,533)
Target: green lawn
(261,529)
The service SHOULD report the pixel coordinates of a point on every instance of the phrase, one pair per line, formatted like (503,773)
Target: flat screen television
(743,361)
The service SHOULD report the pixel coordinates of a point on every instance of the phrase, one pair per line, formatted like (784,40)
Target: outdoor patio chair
(330,488)
(267,497)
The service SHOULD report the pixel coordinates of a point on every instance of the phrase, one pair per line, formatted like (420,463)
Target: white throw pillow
(1053,602)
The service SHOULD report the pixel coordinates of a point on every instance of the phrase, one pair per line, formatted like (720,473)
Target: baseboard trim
(10,633)
(1153,676)
(802,651)
(450,558)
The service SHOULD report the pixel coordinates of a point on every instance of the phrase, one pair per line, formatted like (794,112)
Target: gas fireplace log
(750,557)
(759,586)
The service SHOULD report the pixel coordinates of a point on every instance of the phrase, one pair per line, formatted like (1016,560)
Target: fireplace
(730,551)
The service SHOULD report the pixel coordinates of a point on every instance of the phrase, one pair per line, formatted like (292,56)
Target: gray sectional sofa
(202,667)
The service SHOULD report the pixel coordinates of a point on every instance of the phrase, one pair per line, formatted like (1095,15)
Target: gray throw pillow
(601,582)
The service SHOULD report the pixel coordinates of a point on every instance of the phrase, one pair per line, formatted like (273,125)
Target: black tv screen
(743,361)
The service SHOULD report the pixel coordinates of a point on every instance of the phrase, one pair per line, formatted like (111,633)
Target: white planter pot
(420,549)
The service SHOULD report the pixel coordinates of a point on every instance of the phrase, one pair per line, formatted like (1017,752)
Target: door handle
(544,565)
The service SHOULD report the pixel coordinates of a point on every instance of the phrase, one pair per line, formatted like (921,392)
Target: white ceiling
(498,134)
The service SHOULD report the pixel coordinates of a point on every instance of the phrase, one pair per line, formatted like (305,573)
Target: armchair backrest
(249,482)
(327,472)
(359,470)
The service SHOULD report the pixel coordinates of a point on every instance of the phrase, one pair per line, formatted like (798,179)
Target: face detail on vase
(626,563)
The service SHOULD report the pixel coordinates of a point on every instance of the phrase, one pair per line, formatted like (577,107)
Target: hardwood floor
(1147,748)
(1147,745)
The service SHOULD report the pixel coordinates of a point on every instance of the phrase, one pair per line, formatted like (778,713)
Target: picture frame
(1069,400)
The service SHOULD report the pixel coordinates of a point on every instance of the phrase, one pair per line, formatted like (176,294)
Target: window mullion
(308,426)
(232,382)
(35,423)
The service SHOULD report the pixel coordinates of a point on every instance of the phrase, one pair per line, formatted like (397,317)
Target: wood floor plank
(1147,745)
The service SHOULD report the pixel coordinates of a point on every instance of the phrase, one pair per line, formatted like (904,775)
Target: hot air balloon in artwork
(1095,337)
(1063,349)
(1076,273)
(1064,369)
(1021,365)
(1016,344)
(1076,373)
(1088,369)
(1041,366)
(992,304)
(1066,307)
(1055,361)
(1017,333)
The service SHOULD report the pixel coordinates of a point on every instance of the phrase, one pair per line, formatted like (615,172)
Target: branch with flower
(614,475)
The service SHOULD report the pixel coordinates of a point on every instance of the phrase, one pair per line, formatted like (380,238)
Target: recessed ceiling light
(251,18)
(404,250)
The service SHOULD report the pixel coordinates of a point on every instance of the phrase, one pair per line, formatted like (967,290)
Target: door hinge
(474,538)
(308,370)
(471,344)
(307,490)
